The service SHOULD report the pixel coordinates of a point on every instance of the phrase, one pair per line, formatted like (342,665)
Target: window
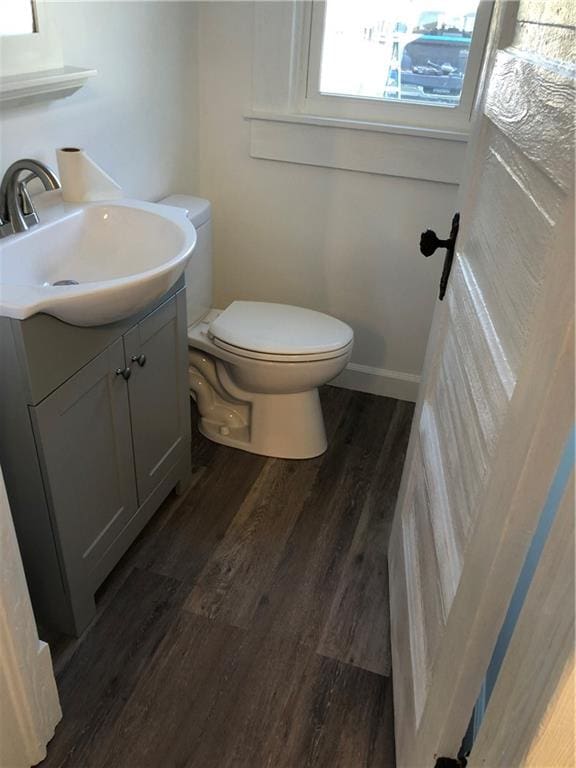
(414,62)
(373,86)
(17,18)
(402,52)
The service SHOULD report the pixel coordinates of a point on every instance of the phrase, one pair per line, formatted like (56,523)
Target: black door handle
(429,242)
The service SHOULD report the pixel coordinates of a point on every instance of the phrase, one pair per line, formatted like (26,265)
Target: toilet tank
(199,269)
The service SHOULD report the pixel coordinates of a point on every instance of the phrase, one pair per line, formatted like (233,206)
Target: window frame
(311,102)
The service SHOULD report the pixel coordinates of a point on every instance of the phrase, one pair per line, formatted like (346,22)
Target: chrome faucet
(17,212)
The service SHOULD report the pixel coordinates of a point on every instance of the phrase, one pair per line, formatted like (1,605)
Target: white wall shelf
(43,84)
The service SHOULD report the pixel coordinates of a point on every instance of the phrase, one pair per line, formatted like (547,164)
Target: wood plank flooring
(247,626)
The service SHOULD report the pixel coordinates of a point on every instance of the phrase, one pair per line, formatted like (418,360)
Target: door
(156,352)
(82,432)
(488,426)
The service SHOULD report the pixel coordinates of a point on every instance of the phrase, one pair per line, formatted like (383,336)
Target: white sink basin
(123,255)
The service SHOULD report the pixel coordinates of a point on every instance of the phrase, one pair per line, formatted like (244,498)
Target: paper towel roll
(82,180)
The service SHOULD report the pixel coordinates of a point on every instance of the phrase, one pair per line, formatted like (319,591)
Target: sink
(93,264)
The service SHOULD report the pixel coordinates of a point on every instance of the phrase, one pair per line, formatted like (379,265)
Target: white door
(494,407)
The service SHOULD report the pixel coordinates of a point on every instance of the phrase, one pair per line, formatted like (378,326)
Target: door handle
(429,242)
(140,359)
(124,372)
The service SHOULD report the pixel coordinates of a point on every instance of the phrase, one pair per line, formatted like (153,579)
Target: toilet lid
(279,329)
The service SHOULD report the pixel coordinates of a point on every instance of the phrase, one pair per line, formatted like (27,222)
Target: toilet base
(282,426)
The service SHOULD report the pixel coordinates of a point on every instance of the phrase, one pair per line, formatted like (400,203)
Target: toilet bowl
(264,399)
(255,367)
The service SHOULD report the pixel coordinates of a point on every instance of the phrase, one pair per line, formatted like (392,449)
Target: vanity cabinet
(157,405)
(108,443)
(83,436)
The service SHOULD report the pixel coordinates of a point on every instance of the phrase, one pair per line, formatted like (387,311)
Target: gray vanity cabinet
(155,349)
(95,433)
(82,431)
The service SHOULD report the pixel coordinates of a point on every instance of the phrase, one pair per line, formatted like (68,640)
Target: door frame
(29,704)
(529,719)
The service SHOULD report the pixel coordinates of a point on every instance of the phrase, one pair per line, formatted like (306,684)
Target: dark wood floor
(247,626)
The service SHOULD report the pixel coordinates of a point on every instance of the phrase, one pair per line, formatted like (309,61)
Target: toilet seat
(279,332)
(250,354)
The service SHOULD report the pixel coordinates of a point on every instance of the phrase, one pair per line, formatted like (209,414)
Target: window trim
(310,101)
(327,121)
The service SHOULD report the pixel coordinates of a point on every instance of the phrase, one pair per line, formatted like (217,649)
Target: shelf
(45,84)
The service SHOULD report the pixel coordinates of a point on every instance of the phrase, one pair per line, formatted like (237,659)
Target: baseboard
(379,381)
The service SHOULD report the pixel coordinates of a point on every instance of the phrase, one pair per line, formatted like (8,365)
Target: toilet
(255,367)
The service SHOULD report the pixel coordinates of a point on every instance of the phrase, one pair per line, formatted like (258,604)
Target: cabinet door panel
(158,392)
(83,436)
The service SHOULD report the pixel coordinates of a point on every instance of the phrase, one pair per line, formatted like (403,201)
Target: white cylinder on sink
(82,179)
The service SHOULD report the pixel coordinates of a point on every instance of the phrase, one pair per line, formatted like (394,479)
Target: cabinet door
(157,353)
(83,437)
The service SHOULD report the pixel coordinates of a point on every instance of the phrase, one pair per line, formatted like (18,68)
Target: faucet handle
(25,200)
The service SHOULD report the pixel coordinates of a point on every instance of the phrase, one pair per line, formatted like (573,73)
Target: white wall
(337,241)
(135,117)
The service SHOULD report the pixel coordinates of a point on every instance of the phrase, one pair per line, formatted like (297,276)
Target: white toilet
(255,367)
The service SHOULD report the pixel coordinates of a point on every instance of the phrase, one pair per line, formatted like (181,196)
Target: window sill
(356,125)
(368,147)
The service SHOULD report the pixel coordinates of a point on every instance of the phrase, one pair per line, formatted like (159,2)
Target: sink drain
(66,282)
